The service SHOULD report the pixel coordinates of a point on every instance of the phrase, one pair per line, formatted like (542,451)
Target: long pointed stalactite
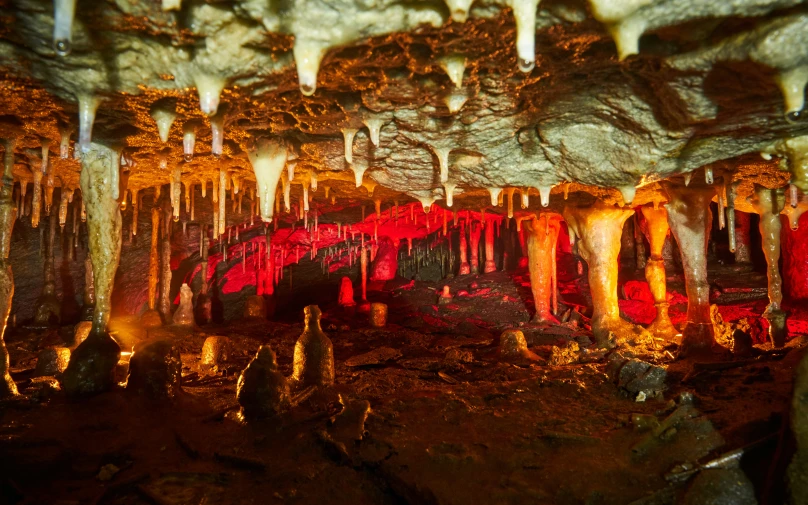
(91,364)
(599,228)
(690,221)
(657,231)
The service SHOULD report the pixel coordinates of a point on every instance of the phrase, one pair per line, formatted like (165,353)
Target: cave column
(599,227)
(7,214)
(91,364)
(490,264)
(657,230)
(542,235)
(768,203)
(690,220)
(464,254)
(474,234)
(165,266)
(151,317)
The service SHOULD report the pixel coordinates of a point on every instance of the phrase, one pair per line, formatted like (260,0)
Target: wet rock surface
(91,366)
(262,390)
(155,370)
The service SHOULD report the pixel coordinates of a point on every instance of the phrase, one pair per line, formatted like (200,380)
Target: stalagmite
(490,264)
(164,303)
(88,105)
(768,203)
(268,158)
(209,88)
(63,13)
(184,315)
(599,227)
(474,234)
(542,235)
(454,65)
(189,138)
(151,317)
(792,83)
(313,361)
(164,118)
(7,211)
(91,365)
(690,220)
(348,135)
(657,232)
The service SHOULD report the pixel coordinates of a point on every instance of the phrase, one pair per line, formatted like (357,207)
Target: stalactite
(63,13)
(88,105)
(348,135)
(599,227)
(542,235)
(657,231)
(268,159)
(91,364)
(690,220)
(222,197)
(768,203)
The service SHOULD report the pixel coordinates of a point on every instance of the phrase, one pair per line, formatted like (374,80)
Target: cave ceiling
(439,97)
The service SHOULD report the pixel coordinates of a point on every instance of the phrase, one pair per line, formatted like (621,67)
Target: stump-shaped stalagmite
(151,318)
(768,203)
(346,294)
(7,211)
(541,243)
(184,315)
(384,266)
(262,390)
(656,230)
(92,363)
(690,220)
(599,227)
(313,363)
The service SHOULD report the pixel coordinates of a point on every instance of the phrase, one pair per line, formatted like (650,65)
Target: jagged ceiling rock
(459,96)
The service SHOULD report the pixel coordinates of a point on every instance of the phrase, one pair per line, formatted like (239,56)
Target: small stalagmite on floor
(262,390)
(313,363)
(92,363)
(657,229)
(184,315)
(599,227)
(155,369)
(690,219)
(513,345)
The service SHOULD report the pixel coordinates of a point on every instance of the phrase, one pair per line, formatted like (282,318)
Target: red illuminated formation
(657,231)
(542,234)
(385,263)
(465,269)
(795,259)
(346,294)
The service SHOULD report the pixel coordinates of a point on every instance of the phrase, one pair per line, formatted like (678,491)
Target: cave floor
(450,421)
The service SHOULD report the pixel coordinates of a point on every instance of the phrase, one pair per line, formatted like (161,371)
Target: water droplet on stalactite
(374,129)
(448,189)
(792,83)
(348,134)
(708,175)
(217,134)
(45,152)
(687,177)
(443,161)
(210,89)
(189,139)
(88,105)
(63,13)
(627,192)
(268,159)
(64,144)
(544,195)
(308,54)
(524,12)
(454,65)
(164,118)
(456,100)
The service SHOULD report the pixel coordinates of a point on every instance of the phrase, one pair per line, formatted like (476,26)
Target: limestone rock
(216,350)
(512,345)
(262,390)
(155,369)
(635,376)
(90,370)
(51,361)
(80,333)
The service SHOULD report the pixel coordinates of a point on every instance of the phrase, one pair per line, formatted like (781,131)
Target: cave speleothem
(404,252)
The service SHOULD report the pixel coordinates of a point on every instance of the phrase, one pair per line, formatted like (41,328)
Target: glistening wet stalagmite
(690,219)
(91,364)
(599,227)
(768,203)
(657,232)
(542,234)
